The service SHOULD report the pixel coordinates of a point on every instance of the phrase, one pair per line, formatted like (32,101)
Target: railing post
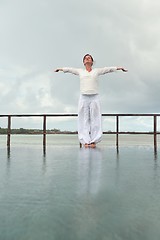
(155,131)
(9,132)
(44,130)
(117,130)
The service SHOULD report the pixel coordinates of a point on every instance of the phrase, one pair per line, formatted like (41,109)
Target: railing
(117,119)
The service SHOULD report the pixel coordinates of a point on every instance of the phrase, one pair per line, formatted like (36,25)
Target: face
(88,60)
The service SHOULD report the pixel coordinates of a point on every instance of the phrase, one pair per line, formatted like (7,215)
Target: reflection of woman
(89,170)
(89,115)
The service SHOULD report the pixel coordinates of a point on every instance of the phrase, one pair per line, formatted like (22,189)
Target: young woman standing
(89,114)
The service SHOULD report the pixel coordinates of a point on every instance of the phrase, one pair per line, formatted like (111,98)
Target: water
(70,193)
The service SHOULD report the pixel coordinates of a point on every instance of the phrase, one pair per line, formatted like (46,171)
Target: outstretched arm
(123,69)
(68,70)
(105,70)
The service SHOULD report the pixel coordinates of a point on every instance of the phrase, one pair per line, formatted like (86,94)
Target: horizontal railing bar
(147,133)
(70,132)
(40,115)
(75,115)
(131,114)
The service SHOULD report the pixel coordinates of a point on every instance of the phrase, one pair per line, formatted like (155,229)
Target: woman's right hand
(58,69)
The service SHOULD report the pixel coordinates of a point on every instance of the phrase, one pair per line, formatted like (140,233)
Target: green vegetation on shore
(34,131)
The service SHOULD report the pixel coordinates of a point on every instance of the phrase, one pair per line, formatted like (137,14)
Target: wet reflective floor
(70,193)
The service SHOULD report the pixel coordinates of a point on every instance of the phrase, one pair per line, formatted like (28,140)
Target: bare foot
(86,145)
(93,145)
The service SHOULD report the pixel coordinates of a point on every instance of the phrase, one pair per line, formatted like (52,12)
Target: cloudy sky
(37,36)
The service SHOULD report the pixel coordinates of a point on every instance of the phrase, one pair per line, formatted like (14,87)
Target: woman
(89,114)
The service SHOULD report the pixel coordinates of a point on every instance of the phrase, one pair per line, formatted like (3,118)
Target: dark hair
(88,55)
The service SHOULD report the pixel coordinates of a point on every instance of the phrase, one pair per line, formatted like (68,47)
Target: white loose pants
(89,119)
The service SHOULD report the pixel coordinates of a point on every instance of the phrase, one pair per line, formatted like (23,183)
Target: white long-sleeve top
(89,80)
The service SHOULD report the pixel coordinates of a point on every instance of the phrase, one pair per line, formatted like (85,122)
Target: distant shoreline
(23,131)
(4,131)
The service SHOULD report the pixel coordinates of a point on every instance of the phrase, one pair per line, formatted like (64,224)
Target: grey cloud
(43,35)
